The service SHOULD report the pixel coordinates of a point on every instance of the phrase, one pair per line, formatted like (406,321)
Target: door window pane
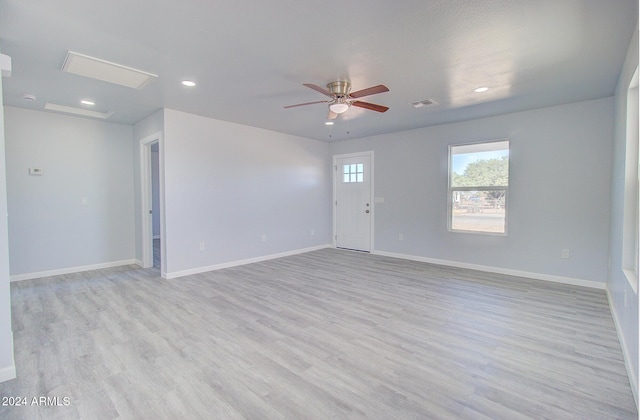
(353,172)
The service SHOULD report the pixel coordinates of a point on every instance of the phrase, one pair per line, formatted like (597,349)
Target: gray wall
(7,367)
(626,316)
(560,168)
(49,229)
(227,185)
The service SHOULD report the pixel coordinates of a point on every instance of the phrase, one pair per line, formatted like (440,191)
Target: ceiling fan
(342,97)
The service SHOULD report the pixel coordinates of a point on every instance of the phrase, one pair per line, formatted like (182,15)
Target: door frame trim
(146,204)
(369,153)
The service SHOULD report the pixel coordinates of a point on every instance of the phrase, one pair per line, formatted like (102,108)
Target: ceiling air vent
(425,102)
(107,71)
(78,111)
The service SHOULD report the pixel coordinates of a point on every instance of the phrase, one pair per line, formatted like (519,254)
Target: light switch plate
(35,171)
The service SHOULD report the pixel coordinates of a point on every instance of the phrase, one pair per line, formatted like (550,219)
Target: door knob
(366,211)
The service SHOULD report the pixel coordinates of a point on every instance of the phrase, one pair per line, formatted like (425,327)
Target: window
(353,172)
(478,187)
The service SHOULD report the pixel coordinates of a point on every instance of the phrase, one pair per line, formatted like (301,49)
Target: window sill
(478,232)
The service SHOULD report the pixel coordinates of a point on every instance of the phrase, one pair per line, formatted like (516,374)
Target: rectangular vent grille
(425,102)
(106,71)
(78,111)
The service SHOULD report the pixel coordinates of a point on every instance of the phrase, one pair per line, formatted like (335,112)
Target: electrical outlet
(84,201)
(565,253)
(201,246)
(264,238)
(400,237)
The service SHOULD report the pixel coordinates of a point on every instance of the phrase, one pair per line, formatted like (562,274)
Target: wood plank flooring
(156,253)
(327,334)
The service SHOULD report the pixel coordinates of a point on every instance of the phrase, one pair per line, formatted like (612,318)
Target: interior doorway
(155,204)
(152,209)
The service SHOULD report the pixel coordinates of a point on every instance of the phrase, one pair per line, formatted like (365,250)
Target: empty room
(311,210)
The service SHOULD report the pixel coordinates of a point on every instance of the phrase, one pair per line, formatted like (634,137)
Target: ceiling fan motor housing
(339,88)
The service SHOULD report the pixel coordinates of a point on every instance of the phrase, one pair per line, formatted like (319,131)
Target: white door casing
(353,206)
(146,216)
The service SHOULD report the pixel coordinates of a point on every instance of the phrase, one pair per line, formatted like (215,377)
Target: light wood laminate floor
(327,334)
(157,253)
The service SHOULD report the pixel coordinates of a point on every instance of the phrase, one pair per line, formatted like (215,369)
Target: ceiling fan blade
(307,103)
(318,89)
(332,115)
(369,91)
(367,105)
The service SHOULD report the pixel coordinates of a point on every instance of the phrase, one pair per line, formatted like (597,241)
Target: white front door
(353,206)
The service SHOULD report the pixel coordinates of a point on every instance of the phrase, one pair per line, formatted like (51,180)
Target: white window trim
(631,225)
(451,189)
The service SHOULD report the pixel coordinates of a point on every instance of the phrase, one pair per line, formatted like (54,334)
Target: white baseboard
(497,270)
(230,264)
(8,373)
(631,373)
(40,274)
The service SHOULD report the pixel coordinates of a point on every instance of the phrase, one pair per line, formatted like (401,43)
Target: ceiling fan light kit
(342,98)
(339,107)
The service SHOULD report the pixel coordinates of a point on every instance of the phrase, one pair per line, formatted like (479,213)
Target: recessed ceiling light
(329,123)
(481,89)
(188,83)
(87,102)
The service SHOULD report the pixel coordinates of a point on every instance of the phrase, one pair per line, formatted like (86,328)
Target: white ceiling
(251,57)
